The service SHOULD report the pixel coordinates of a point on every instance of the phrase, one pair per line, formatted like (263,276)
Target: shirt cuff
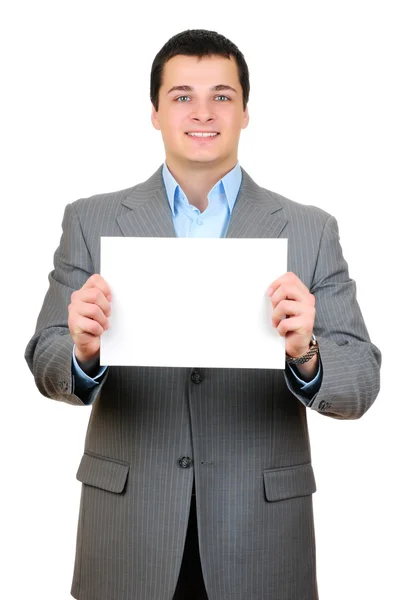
(309,387)
(81,378)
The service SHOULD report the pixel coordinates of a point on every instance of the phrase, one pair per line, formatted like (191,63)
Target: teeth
(203,134)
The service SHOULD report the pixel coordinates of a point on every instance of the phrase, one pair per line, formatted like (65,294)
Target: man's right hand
(88,319)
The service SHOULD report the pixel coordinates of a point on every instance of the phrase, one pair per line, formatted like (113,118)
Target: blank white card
(187,302)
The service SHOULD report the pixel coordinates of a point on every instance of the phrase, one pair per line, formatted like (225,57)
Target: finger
(286,308)
(292,291)
(299,324)
(97,281)
(84,325)
(92,311)
(288,279)
(85,341)
(92,295)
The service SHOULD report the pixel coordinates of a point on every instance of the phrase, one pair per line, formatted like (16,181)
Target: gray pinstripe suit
(245,430)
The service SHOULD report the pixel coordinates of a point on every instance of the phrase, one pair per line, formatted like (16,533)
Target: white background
(76,121)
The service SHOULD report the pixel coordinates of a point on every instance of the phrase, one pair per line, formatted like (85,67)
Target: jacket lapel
(147,211)
(255,213)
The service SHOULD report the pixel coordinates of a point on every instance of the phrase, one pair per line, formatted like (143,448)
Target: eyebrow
(216,88)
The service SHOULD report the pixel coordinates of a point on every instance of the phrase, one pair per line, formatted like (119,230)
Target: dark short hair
(198,42)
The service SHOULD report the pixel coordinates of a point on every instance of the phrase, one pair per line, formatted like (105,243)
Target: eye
(181,98)
(222,96)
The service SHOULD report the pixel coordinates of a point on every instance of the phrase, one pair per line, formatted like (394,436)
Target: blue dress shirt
(190,222)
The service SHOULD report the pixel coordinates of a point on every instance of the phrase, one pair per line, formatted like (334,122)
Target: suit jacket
(242,432)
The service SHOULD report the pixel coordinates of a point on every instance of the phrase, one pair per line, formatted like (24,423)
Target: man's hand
(291,298)
(88,318)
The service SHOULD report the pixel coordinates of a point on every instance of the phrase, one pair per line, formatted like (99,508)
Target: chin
(204,160)
(205,156)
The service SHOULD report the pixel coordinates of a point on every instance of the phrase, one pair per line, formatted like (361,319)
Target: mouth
(202,136)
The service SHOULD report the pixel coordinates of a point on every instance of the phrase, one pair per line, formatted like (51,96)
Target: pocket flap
(289,482)
(105,473)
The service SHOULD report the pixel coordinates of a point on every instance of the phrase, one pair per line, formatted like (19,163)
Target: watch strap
(303,358)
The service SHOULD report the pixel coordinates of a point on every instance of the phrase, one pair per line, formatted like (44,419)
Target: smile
(202,134)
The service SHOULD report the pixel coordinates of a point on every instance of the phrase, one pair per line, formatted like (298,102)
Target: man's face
(200,96)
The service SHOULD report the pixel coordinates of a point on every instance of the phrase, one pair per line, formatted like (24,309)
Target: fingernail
(270,291)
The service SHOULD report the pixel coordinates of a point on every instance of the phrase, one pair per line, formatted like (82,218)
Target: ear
(154,118)
(245,120)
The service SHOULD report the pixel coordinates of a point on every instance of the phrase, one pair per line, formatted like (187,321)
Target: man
(242,433)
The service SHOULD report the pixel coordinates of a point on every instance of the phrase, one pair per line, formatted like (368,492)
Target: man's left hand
(291,298)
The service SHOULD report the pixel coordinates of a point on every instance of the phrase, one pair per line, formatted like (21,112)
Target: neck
(196,180)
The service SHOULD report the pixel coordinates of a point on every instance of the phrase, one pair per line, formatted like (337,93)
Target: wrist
(307,371)
(305,357)
(89,364)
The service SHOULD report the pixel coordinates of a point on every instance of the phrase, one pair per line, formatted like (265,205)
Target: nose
(202,113)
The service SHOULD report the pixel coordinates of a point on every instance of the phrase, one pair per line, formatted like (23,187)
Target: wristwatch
(299,360)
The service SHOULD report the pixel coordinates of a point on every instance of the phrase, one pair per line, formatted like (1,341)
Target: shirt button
(185,462)
(196,376)
(199,222)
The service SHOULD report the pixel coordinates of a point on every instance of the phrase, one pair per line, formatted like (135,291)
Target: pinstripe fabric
(245,430)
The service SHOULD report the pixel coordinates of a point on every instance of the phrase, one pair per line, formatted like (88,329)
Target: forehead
(200,72)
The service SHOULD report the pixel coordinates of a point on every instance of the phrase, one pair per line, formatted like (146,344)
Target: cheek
(174,121)
(233,121)
(233,130)
(168,129)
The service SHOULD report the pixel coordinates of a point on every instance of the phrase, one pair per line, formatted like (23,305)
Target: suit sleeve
(49,352)
(350,362)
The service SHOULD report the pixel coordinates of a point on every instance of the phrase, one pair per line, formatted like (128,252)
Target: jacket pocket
(289,482)
(105,473)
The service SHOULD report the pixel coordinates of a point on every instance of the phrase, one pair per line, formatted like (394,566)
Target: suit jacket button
(185,462)
(63,386)
(196,376)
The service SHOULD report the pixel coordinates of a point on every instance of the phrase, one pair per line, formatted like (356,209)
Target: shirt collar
(230,184)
